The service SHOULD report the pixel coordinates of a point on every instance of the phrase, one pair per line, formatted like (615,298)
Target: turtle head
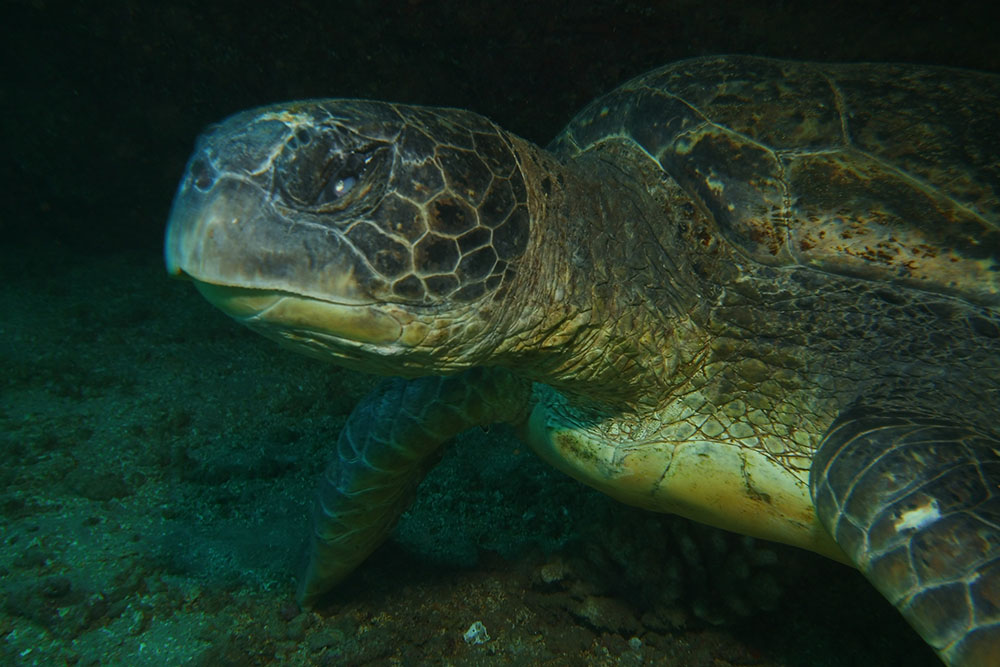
(371,232)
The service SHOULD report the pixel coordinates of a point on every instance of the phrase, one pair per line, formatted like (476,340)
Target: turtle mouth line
(279,311)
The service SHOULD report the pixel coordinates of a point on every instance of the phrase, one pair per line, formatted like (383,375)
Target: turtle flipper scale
(384,451)
(915,502)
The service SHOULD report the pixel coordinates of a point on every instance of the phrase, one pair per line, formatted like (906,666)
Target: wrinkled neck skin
(602,310)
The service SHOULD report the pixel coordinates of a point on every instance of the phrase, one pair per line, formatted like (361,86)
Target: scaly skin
(380,461)
(920,521)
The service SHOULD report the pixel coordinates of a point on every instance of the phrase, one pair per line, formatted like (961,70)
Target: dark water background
(103,100)
(156,461)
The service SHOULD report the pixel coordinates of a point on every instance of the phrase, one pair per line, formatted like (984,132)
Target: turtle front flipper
(915,502)
(383,453)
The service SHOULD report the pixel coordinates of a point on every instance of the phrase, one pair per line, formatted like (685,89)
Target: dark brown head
(362,230)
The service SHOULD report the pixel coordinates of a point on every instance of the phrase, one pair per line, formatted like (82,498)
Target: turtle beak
(222,235)
(172,254)
(182,225)
(208,231)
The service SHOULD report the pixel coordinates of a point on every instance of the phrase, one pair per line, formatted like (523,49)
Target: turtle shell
(879,171)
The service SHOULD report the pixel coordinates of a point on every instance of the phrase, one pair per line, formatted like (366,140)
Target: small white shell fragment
(476,634)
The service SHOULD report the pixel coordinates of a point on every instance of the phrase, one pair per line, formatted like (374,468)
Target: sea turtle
(761,294)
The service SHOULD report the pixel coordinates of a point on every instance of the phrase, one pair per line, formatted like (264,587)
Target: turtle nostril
(202,175)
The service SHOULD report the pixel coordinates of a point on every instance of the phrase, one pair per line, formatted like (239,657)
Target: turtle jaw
(379,338)
(294,317)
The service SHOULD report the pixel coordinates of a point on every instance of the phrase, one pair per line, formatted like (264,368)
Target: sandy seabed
(158,463)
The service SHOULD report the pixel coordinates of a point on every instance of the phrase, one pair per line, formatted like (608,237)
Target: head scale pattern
(435,209)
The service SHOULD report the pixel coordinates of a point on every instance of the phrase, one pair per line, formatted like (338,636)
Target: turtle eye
(321,176)
(342,177)
(338,187)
